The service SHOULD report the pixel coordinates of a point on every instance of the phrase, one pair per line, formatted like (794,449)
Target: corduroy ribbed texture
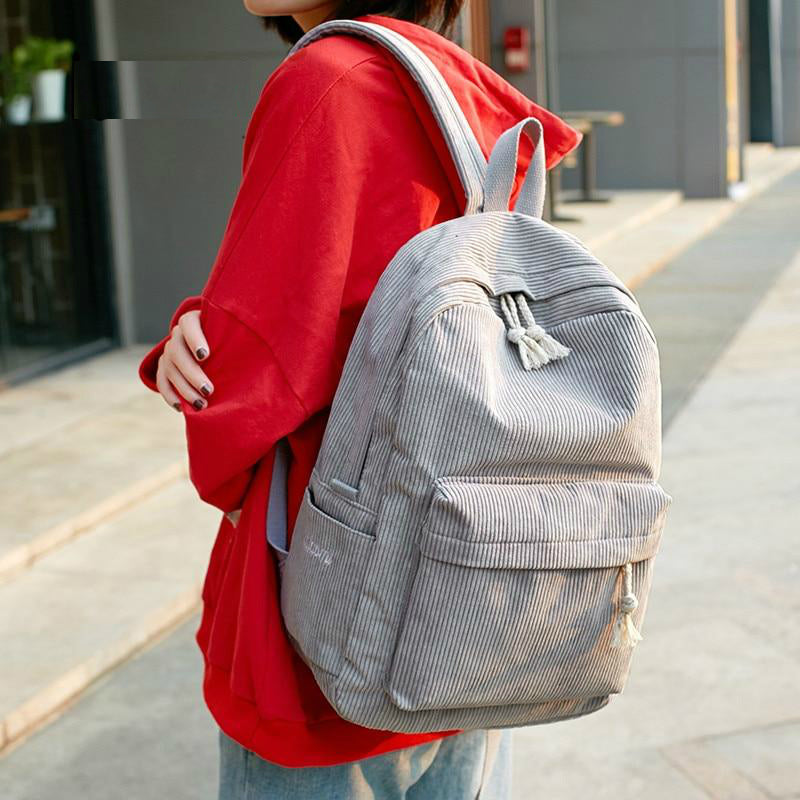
(458,558)
(456,561)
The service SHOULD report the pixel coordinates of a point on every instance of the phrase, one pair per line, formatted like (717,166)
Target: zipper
(348,484)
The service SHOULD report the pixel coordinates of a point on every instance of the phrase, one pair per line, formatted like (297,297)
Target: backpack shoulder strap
(461,142)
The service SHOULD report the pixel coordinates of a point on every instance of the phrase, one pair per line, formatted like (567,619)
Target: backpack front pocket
(322,577)
(526,593)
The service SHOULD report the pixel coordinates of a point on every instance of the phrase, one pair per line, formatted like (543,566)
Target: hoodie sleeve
(328,195)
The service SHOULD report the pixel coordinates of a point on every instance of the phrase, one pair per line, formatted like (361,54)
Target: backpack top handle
(502,170)
(461,142)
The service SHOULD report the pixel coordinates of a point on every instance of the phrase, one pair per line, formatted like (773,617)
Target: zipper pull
(625,633)
(536,346)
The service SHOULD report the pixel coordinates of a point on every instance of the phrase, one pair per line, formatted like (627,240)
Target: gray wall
(662,64)
(515,13)
(190,75)
(788,132)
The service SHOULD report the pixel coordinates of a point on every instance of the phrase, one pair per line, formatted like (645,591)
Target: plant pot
(49,88)
(18,110)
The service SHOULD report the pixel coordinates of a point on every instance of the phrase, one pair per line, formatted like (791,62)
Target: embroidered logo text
(315,551)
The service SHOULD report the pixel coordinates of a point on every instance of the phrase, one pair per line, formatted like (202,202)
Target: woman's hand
(178,371)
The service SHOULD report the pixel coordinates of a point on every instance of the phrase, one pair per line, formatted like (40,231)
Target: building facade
(108,220)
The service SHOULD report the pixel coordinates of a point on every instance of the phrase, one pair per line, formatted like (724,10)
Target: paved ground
(102,541)
(141,733)
(712,709)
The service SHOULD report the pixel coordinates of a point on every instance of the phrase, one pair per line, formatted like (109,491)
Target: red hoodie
(343,163)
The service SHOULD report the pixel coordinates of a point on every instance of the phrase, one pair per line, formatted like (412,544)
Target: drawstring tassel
(625,633)
(536,346)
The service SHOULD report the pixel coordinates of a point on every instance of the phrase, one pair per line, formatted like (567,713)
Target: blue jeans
(475,765)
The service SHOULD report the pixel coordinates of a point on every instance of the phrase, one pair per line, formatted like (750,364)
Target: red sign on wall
(517,49)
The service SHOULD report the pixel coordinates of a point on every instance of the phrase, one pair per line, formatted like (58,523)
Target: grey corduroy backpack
(476,544)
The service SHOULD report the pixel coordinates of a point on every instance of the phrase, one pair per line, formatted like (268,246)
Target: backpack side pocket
(321,582)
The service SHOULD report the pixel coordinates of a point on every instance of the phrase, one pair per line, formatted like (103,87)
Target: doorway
(55,286)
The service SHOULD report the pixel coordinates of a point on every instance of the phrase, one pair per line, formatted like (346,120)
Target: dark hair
(440,15)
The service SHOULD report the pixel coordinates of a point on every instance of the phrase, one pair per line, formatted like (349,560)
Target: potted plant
(16,86)
(48,61)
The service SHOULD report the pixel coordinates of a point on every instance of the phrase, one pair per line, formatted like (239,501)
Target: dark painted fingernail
(199,404)
(177,407)
(206,389)
(201,353)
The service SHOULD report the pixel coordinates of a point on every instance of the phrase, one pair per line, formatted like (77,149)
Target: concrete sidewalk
(712,710)
(712,707)
(103,543)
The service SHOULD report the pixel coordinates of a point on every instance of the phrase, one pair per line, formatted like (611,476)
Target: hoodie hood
(489,102)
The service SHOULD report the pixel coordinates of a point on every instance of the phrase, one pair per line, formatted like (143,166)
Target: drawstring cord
(536,346)
(625,633)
